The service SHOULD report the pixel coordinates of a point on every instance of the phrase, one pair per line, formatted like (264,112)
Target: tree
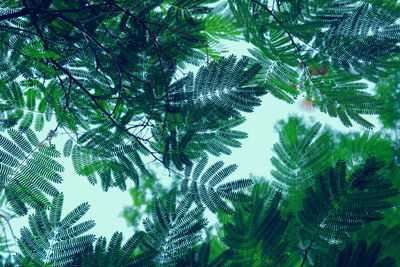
(110,75)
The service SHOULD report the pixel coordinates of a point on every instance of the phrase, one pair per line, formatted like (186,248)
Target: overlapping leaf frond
(206,187)
(361,36)
(201,256)
(344,96)
(101,153)
(28,170)
(316,49)
(176,148)
(217,138)
(388,237)
(115,254)
(339,204)
(194,44)
(19,105)
(192,141)
(355,36)
(110,74)
(173,229)
(52,241)
(246,16)
(219,90)
(388,91)
(300,155)
(257,231)
(355,147)
(222,26)
(7,244)
(280,64)
(358,254)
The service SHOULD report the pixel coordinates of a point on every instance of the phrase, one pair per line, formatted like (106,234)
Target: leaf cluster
(110,75)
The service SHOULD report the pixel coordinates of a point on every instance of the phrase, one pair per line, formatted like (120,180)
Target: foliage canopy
(111,75)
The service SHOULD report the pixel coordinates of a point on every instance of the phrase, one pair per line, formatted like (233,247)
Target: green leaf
(207,189)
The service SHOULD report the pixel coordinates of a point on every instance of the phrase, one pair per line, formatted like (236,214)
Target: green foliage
(111,76)
(101,153)
(300,155)
(52,241)
(7,245)
(342,95)
(322,50)
(387,89)
(355,147)
(19,105)
(192,140)
(223,27)
(352,146)
(173,230)
(279,62)
(206,189)
(220,89)
(339,204)
(360,36)
(115,254)
(359,254)
(142,198)
(28,170)
(256,234)
(201,257)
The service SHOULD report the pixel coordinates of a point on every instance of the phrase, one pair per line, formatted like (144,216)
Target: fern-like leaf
(298,158)
(27,170)
(51,241)
(115,254)
(356,254)
(207,189)
(339,204)
(201,257)
(221,89)
(102,154)
(256,234)
(173,230)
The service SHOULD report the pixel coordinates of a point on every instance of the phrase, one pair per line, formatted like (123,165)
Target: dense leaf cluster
(111,77)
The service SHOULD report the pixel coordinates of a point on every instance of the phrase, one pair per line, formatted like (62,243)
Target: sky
(253,157)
